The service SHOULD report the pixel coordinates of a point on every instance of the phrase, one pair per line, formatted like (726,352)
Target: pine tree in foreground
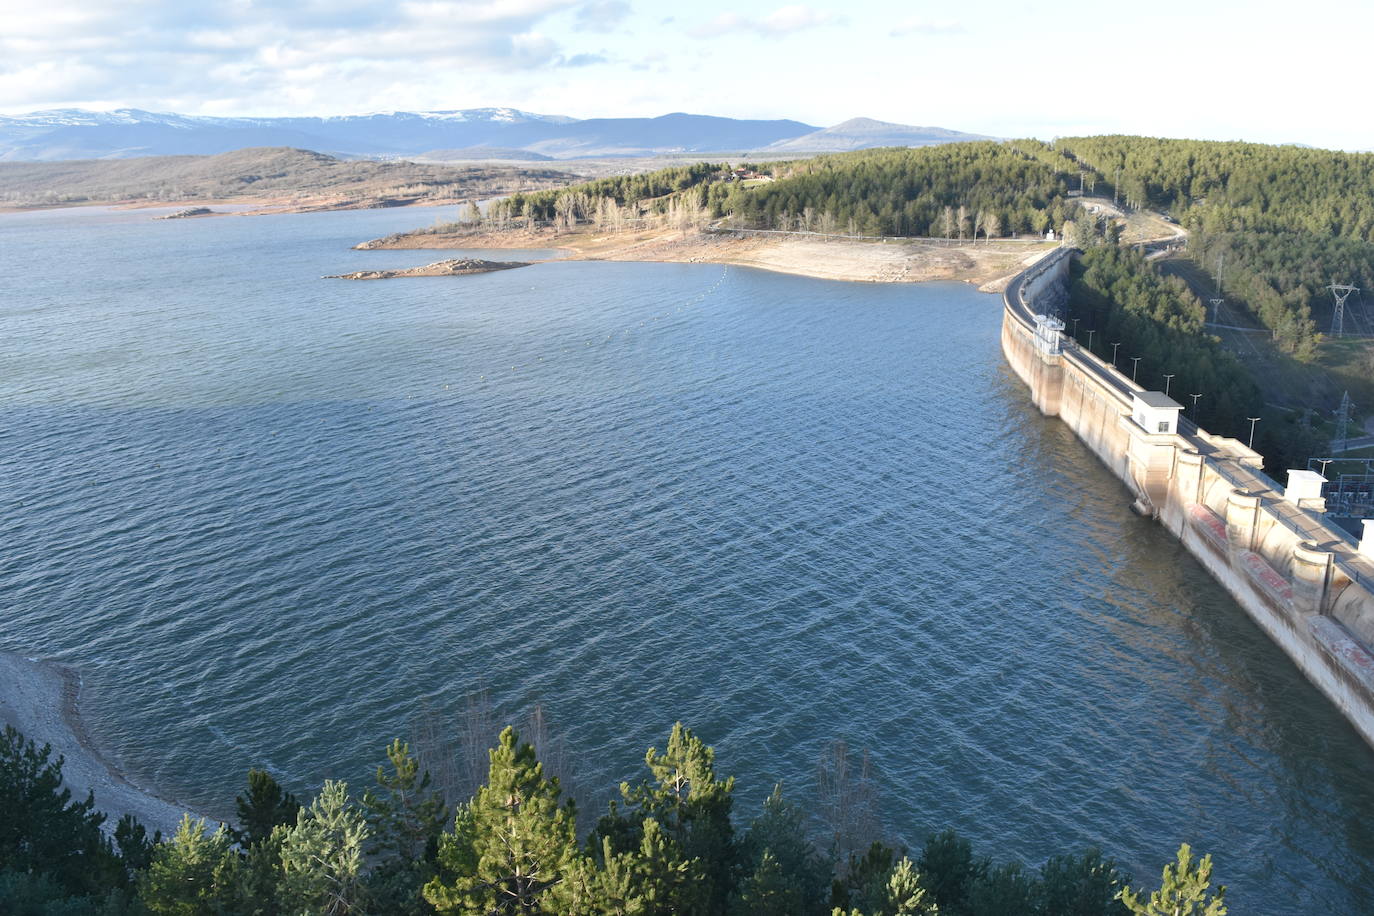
(1186,890)
(42,830)
(322,855)
(197,872)
(266,806)
(513,848)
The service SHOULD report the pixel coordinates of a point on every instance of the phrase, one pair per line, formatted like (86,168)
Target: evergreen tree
(194,874)
(1005,890)
(405,818)
(948,865)
(135,848)
(887,889)
(322,855)
(1085,885)
(262,876)
(693,809)
(769,891)
(776,847)
(645,881)
(42,830)
(1186,890)
(266,807)
(906,894)
(38,894)
(863,887)
(513,848)
(404,815)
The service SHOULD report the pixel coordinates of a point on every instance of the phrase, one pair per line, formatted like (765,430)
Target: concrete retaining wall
(1300,578)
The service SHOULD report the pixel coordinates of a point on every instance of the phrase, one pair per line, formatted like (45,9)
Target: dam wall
(1302,579)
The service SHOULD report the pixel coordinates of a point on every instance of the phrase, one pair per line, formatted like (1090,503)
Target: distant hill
(483,153)
(306,177)
(866,133)
(77,134)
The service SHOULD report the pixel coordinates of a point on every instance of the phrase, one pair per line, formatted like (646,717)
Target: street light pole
(1253,421)
(1075,329)
(1090,339)
(1135,364)
(1194,397)
(1168,380)
(1114,346)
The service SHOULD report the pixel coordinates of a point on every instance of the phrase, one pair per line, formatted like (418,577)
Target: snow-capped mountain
(77,134)
(70,133)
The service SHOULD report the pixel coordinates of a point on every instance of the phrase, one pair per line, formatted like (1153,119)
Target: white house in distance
(1155,411)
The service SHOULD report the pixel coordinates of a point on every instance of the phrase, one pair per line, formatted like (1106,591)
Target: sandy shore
(987,265)
(42,699)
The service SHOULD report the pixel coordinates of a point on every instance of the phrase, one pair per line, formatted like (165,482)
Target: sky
(1210,69)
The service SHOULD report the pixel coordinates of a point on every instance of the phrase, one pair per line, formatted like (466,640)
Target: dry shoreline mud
(987,265)
(42,700)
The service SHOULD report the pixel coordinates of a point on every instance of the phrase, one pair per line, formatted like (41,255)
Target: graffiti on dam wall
(1348,653)
(1210,525)
(1273,584)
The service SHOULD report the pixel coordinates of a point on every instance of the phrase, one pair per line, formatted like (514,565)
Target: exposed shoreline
(42,700)
(989,266)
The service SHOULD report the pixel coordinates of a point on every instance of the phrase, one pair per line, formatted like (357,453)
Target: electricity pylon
(1342,423)
(1341,292)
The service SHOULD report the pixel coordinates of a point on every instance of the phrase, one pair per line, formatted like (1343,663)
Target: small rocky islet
(452,267)
(189,213)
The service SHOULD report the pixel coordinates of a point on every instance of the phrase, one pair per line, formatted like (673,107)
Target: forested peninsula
(1209,263)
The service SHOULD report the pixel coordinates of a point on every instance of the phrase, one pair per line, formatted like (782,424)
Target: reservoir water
(269,517)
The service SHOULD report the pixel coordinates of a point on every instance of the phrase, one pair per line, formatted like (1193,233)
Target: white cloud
(151,53)
(782,21)
(601,15)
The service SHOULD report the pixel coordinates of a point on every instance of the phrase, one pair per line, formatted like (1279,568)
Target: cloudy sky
(1256,70)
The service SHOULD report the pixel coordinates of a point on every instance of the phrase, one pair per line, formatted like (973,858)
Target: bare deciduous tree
(992,225)
(847,802)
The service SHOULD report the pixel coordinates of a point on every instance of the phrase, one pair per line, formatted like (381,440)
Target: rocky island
(452,267)
(189,212)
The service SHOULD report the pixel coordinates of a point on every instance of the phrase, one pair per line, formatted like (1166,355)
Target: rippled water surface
(269,516)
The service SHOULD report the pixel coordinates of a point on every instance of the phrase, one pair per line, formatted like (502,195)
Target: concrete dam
(1307,583)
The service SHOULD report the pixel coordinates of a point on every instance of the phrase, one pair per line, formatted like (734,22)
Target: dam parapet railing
(1303,579)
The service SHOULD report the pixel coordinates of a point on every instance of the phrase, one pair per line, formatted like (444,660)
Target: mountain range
(502,133)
